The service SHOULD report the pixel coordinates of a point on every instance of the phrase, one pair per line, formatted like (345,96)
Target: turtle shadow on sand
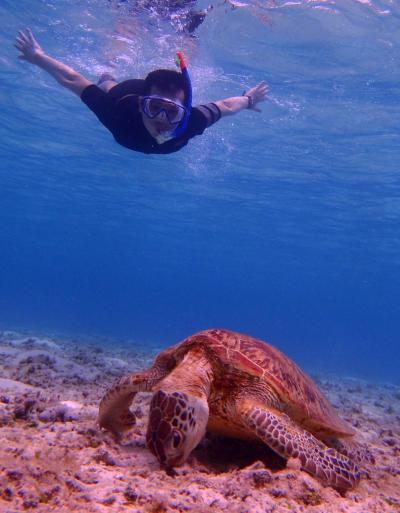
(220,454)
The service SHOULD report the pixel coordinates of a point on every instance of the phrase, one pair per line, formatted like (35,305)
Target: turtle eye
(176,439)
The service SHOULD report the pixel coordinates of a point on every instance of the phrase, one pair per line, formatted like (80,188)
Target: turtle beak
(170,471)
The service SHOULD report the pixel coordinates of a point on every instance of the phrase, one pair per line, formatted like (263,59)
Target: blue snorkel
(180,61)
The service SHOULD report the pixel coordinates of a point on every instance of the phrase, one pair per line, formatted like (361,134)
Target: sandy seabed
(54,457)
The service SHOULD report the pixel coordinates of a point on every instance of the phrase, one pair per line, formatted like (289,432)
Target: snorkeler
(180,13)
(154,115)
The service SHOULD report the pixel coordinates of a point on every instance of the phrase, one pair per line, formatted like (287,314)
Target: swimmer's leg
(106,82)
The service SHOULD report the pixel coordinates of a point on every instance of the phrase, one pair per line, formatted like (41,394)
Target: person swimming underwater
(182,14)
(154,115)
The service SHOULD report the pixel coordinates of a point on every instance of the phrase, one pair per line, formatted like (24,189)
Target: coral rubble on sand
(53,457)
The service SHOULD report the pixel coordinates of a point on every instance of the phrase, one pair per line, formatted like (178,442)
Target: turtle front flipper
(289,440)
(357,451)
(114,413)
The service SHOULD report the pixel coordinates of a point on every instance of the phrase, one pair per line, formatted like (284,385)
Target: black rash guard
(118,110)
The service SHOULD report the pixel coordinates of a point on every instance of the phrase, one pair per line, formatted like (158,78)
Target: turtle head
(177,423)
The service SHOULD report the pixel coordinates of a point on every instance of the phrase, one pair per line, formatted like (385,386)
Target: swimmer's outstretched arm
(32,52)
(249,100)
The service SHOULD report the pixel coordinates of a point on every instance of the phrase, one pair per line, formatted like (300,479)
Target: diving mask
(166,109)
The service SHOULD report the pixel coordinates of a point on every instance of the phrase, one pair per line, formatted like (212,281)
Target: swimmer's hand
(32,52)
(257,94)
(28,46)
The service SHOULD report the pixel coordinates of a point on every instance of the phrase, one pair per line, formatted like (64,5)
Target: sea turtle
(235,385)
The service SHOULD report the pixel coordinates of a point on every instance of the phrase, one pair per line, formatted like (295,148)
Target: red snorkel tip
(180,60)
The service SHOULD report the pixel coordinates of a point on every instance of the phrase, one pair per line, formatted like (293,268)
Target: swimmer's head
(170,85)
(166,83)
(167,119)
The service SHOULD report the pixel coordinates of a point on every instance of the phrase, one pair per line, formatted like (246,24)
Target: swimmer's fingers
(30,35)
(20,47)
(262,89)
(23,36)
(27,39)
(32,39)
(27,45)
(19,44)
(259,92)
(262,85)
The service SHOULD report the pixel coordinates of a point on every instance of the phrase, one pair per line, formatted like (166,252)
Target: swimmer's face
(159,125)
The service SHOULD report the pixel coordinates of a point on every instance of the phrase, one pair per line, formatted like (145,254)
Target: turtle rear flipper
(290,440)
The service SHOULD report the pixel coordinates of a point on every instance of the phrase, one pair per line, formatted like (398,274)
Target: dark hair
(167,80)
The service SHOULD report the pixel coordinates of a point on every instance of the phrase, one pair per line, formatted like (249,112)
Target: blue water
(283,225)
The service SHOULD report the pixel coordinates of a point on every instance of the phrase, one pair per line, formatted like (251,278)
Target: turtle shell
(251,360)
